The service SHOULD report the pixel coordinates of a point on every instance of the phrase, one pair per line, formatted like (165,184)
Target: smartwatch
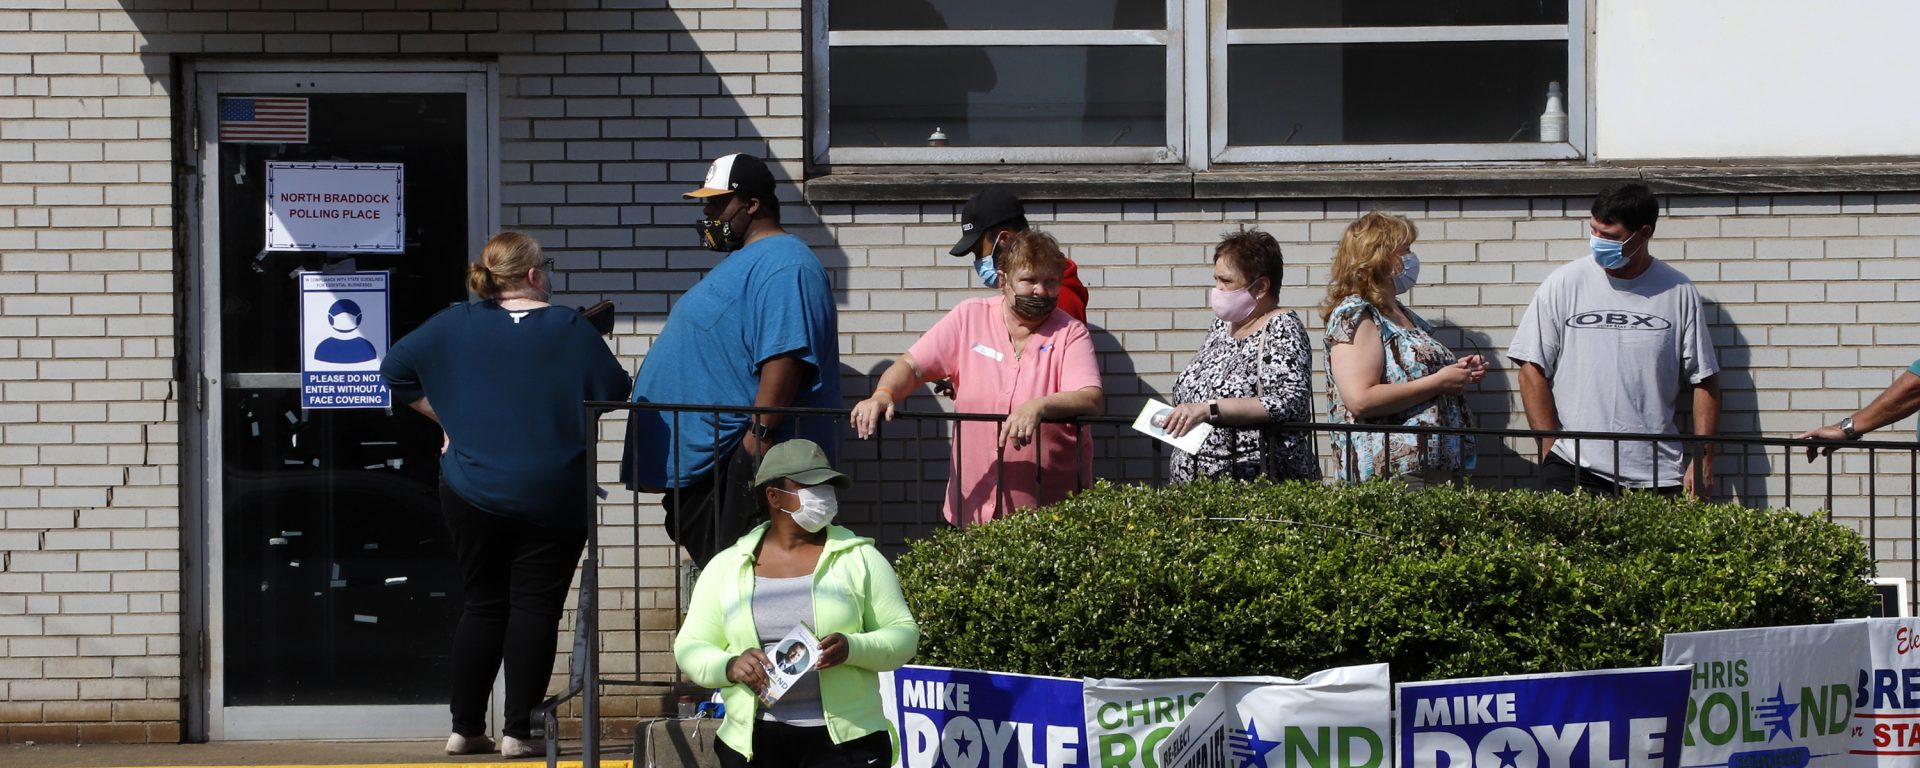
(761,431)
(1213,410)
(1846,428)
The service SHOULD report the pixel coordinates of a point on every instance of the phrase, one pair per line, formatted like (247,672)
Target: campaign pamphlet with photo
(791,658)
(1152,422)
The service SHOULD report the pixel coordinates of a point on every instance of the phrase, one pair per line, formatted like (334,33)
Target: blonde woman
(504,377)
(1385,367)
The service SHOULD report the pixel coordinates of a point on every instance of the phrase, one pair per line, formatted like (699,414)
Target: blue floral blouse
(1411,354)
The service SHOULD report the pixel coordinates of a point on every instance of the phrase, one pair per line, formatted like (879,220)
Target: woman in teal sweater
(798,568)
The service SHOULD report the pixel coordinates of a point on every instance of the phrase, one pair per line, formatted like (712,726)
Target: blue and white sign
(1886,700)
(344,322)
(959,718)
(1626,718)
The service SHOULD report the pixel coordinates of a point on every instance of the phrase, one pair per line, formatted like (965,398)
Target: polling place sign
(1627,718)
(961,718)
(1335,718)
(1771,697)
(341,207)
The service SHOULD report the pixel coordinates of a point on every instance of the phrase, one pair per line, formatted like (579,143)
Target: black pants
(1561,476)
(779,744)
(708,514)
(515,576)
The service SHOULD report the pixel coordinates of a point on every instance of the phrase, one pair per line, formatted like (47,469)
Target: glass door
(332,586)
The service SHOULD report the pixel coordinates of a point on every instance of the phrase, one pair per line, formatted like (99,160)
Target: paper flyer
(1152,423)
(791,658)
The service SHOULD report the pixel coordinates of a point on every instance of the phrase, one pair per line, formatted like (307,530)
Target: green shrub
(1239,578)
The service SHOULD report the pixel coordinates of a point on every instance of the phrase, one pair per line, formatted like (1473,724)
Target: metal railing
(901,477)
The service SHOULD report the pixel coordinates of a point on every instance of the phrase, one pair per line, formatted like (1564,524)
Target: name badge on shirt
(990,352)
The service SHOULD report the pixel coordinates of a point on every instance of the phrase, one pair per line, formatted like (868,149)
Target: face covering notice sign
(343,337)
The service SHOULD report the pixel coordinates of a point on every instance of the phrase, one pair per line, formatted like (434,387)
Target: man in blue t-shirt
(761,330)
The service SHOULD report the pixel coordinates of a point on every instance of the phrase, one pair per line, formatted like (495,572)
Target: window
(1078,80)
(1194,81)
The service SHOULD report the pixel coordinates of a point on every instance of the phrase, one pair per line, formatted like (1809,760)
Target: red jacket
(1073,294)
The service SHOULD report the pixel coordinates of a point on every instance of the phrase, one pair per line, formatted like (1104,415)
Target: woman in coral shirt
(1015,354)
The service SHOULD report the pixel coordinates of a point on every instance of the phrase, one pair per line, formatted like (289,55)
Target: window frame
(823,40)
(1197,43)
(1219,39)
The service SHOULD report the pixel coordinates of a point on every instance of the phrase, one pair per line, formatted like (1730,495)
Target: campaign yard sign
(960,718)
(1627,718)
(1336,718)
(1772,697)
(1208,737)
(1886,701)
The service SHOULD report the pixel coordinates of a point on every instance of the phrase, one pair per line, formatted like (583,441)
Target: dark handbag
(600,315)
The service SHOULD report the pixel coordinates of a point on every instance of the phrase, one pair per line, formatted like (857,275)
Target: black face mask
(719,235)
(1034,307)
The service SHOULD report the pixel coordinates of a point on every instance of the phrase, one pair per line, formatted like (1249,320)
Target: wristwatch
(1213,410)
(1846,428)
(761,431)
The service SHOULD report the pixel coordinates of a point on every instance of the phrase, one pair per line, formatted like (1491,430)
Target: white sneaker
(468,745)
(511,747)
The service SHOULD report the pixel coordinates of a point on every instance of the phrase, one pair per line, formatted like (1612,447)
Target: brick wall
(89,456)
(609,111)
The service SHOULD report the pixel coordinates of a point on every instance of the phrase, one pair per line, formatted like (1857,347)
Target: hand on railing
(1828,432)
(868,413)
(1021,425)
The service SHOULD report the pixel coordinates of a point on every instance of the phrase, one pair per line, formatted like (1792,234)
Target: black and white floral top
(1274,364)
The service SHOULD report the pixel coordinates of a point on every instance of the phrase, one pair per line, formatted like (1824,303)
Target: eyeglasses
(547,264)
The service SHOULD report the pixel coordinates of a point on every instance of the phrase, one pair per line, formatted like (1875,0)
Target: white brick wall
(608,114)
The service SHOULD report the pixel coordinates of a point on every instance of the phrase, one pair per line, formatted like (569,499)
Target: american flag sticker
(263,120)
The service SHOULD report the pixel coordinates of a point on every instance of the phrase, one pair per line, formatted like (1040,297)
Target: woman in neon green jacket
(798,568)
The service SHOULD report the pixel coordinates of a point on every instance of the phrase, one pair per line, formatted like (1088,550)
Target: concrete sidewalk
(385,754)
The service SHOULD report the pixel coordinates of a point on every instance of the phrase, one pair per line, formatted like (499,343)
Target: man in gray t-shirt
(1608,344)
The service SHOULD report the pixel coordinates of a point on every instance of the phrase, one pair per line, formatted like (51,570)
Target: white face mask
(818,505)
(344,322)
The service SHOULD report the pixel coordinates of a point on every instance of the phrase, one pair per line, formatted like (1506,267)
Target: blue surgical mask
(983,267)
(1409,274)
(1609,254)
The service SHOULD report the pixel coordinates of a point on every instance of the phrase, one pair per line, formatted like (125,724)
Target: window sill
(1095,183)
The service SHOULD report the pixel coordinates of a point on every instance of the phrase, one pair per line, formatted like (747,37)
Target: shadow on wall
(1500,463)
(606,117)
(1740,472)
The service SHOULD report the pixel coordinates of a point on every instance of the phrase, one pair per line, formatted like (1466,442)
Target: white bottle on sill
(1553,122)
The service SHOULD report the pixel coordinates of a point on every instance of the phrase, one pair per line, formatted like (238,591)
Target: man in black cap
(987,222)
(760,329)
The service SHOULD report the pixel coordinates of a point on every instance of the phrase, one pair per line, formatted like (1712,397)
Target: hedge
(1236,578)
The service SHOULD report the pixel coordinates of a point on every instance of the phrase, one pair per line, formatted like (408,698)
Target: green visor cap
(801,460)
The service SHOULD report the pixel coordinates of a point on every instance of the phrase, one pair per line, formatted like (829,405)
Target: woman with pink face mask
(1254,371)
